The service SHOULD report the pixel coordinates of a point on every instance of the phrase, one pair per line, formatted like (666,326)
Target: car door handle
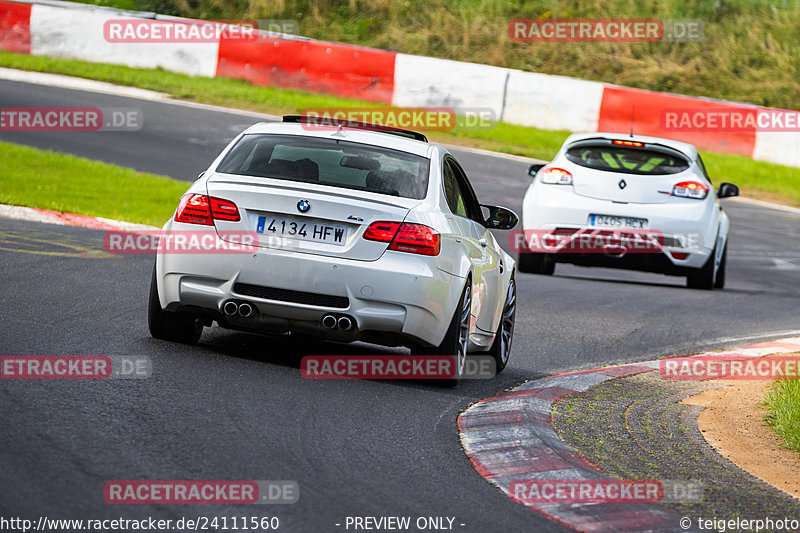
(483,242)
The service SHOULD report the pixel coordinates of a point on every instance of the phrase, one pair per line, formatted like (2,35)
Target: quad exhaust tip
(343,322)
(329,321)
(245,310)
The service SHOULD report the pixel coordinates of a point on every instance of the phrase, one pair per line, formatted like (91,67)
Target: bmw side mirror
(499,217)
(533,169)
(726,190)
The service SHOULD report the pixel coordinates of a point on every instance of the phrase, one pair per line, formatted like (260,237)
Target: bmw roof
(376,138)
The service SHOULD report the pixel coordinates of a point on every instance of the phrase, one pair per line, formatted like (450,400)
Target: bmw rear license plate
(613,221)
(302,230)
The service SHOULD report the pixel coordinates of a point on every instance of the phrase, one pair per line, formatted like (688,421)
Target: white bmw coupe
(360,233)
(634,202)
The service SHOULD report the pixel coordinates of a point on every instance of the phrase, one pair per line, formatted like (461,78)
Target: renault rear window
(331,162)
(612,158)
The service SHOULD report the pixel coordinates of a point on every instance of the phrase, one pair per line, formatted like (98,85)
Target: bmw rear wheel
(456,340)
(501,347)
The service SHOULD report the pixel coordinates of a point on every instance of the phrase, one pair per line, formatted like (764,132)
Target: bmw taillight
(224,210)
(690,189)
(405,237)
(202,209)
(382,231)
(555,176)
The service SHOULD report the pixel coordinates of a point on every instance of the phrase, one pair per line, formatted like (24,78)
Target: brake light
(690,189)
(201,209)
(224,210)
(193,209)
(382,231)
(405,237)
(556,176)
(635,144)
(416,239)
(679,255)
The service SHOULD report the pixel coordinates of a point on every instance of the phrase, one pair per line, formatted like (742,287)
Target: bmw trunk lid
(307,218)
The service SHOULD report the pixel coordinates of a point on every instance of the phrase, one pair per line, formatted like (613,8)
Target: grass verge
(239,94)
(783,402)
(48,180)
(765,180)
(748,50)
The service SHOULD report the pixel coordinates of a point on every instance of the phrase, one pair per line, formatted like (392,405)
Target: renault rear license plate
(613,221)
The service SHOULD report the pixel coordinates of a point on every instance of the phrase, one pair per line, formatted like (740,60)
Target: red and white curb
(48,216)
(510,436)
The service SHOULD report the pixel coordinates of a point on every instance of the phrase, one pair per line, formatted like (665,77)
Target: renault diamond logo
(303,206)
(622,184)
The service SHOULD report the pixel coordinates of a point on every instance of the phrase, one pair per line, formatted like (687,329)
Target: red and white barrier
(68,30)
(429,82)
(62,31)
(552,102)
(15,27)
(624,108)
(310,65)
(777,147)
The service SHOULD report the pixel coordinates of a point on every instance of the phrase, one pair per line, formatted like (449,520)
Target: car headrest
(302,168)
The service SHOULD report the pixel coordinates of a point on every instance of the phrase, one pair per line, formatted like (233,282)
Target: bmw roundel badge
(303,206)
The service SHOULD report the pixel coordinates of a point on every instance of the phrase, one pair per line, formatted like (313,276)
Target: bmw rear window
(329,162)
(612,158)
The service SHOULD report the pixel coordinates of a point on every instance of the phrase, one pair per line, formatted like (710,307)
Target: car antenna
(633,114)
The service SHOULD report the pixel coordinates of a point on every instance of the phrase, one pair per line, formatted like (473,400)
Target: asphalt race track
(236,407)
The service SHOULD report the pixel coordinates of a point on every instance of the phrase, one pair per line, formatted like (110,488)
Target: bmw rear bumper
(399,298)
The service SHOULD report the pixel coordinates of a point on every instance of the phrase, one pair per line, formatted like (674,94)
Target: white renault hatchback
(634,202)
(360,233)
